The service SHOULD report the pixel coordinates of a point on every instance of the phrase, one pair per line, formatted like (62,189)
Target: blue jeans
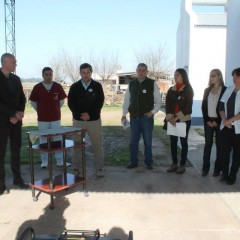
(184,144)
(141,126)
(209,135)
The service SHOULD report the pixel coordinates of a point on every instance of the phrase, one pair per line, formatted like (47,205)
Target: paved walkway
(154,204)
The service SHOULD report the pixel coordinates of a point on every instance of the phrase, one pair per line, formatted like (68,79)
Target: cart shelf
(53,184)
(59,183)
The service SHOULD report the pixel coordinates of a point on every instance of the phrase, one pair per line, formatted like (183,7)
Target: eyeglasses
(213,75)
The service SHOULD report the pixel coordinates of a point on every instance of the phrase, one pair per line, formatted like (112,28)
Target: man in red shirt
(47,98)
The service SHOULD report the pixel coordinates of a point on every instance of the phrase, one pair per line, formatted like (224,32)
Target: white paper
(178,130)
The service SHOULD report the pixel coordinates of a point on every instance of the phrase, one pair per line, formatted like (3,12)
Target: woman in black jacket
(179,102)
(212,120)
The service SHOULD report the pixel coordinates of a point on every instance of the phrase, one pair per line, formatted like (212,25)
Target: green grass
(24,150)
(116,140)
(118,158)
(158,131)
(111,107)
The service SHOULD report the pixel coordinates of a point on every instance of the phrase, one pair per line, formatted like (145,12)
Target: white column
(233,39)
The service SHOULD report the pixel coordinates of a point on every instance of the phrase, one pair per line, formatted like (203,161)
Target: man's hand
(85,116)
(13,120)
(19,115)
(123,119)
(149,114)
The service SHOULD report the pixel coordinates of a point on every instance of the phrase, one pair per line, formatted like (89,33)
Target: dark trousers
(229,141)
(13,132)
(184,144)
(209,136)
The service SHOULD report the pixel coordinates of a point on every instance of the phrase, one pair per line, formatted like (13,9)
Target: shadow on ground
(50,222)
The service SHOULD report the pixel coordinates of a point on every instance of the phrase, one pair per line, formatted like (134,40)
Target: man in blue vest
(142,101)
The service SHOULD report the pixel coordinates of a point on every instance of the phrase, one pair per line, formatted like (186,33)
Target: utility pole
(10,44)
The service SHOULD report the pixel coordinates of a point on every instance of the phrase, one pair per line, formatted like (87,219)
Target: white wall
(233,39)
(207,52)
(199,49)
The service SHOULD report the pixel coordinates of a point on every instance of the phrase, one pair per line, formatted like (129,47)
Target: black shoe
(231,180)
(132,165)
(20,183)
(149,167)
(204,174)
(3,190)
(216,174)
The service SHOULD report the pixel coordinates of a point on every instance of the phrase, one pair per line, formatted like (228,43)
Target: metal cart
(53,184)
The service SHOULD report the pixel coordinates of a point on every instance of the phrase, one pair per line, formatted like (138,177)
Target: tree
(65,67)
(158,61)
(71,66)
(58,72)
(105,66)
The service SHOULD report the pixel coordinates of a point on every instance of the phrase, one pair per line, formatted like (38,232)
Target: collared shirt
(157,100)
(85,85)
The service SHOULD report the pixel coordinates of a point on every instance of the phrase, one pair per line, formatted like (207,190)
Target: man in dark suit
(12,105)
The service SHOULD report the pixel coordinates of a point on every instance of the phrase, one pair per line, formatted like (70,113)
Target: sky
(46,28)
(120,27)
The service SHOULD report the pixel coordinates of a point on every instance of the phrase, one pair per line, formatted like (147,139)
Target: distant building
(164,80)
(124,79)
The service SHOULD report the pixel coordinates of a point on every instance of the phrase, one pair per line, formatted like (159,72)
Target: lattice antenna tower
(10,44)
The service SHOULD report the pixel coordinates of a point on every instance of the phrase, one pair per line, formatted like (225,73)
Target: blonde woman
(211,117)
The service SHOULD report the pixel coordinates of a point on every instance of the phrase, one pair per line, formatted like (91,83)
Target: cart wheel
(35,199)
(86,194)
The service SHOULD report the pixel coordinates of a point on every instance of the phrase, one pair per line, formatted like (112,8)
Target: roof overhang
(209,2)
